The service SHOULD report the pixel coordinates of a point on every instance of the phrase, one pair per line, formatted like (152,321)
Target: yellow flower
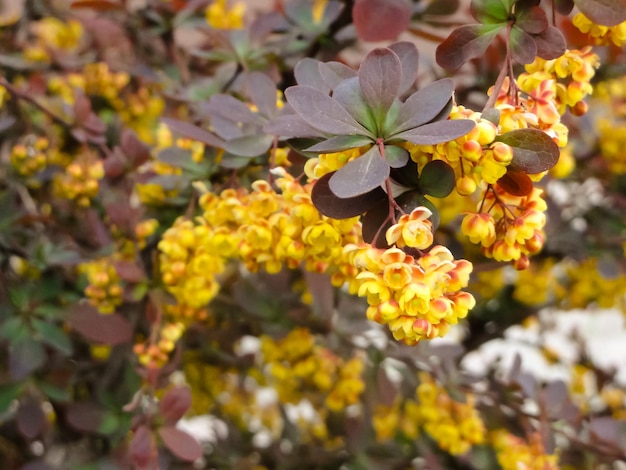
(219,16)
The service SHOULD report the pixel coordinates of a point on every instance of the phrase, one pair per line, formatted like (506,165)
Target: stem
(496,89)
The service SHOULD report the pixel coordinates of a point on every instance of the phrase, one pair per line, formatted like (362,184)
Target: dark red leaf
(550,44)
(533,19)
(85,417)
(516,183)
(330,205)
(380,76)
(133,148)
(564,7)
(603,12)
(321,111)
(424,105)
(374,224)
(143,449)
(98,5)
(413,199)
(229,107)
(523,46)
(381,20)
(193,132)
(533,150)
(30,418)
(361,175)
(181,444)
(108,329)
(175,404)
(465,43)
(129,271)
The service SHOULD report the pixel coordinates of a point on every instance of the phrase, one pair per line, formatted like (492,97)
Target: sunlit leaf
(603,12)
(436,132)
(424,105)
(322,112)
(464,43)
(516,183)
(333,206)
(533,150)
(437,179)
(339,143)
(381,20)
(361,175)
(380,76)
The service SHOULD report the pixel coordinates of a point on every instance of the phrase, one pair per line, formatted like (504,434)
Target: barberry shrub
(278,235)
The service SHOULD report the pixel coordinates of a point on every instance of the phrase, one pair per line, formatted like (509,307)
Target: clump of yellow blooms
(298,368)
(563,82)
(105,287)
(601,35)
(611,125)
(220,16)
(154,354)
(454,426)
(53,33)
(326,162)
(145,229)
(96,79)
(29,157)
(79,181)
(513,453)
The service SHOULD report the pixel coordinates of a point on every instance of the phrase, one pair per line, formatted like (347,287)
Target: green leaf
(603,12)
(533,150)
(12,328)
(54,393)
(8,393)
(437,178)
(492,11)
(349,95)
(361,175)
(396,157)
(465,43)
(53,336)
(523,46)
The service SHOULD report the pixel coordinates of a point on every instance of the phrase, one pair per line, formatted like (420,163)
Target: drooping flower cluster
(509,228)
(417,297)
(105,287)
(80,181)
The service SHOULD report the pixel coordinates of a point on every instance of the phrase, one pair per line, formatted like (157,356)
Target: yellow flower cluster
(52,32)
(567,77)
(317,167)
(601,35)
(29,157)
(417,297)
(513,453)
(105,288)
(79,182)
(454,426)
(611,125)
(475,157)
(535,285)
(584,284)
(219,16)
(96,79)
(145,229)
(298,369)
(154,355)
(510,228)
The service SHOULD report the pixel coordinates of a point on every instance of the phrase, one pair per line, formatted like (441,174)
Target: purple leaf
(465,43)
(25,356)
(361,175)
(396,157)
(307,72)
(30,418)
(175,404)
(339,143)
(333,73)
(249,145)
(436,132)
(603,12)
(322,112)
(192,132)
(349,95)
(380,76)
(231,108)
(262,92)
(532,19)
(423,106)
(564,7)
(291,125)
(108,329)
(381,20)
(333,206)
(225,128)
(85,417)
(550,44)
(409,60)
(375,221)
(181,444)
(523,46)
(533,150)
